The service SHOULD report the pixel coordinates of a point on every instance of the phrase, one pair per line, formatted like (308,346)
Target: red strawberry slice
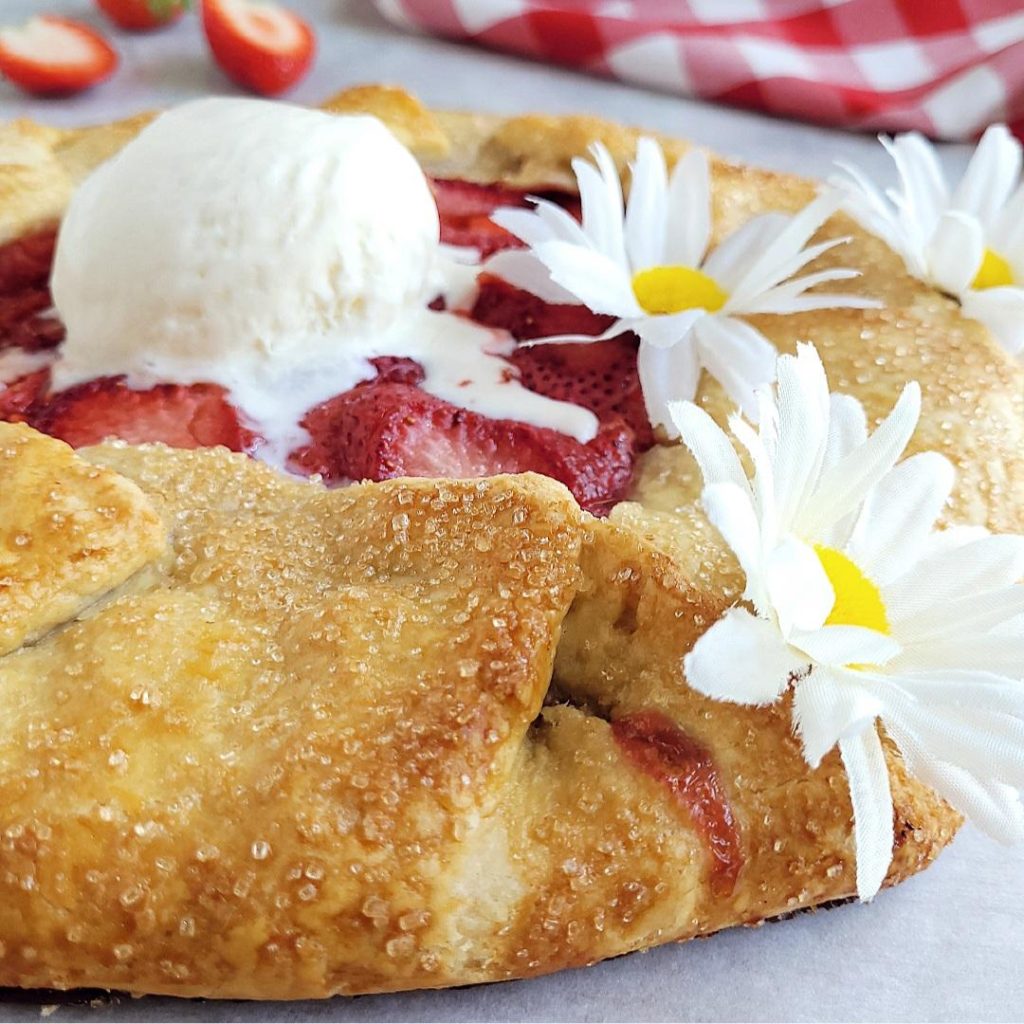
(50,56)
(260,45)
(19,398)
(465,210)
(182,416)
(26,261)
(502,305)
(142,15)
(385,429)
(601,376)
(22,326)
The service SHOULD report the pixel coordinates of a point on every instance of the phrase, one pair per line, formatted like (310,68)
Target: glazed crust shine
(274,741)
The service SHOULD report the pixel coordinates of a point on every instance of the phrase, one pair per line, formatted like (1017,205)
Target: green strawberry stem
(165,8)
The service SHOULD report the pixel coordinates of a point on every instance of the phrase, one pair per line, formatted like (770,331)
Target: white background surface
(947,945)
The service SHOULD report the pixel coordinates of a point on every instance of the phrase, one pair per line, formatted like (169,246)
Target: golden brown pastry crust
(306,753)
(302,661)
(69,533)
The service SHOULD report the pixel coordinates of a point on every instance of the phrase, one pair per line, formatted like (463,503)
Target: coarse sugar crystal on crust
(426,733)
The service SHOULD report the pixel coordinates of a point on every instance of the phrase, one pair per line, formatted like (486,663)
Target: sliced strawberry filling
(388,427)
(658,747)
(182,416)
(601,377)
(19,400)
(465,210)
(384,427)
(25,294)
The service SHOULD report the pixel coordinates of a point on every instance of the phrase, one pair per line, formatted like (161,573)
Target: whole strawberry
(143,15)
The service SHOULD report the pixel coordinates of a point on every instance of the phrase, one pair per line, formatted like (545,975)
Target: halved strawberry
(182,416)
(600,376)
(19,398)
(51,56)
(142,15)
(262,46)
(383,429)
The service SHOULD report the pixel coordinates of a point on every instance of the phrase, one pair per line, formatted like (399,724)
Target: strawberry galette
(377,703)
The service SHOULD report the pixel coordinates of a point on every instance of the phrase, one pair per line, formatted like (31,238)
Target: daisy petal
(798,588)
(525,225)
(596,280)
(976,566)
(738,252)
(951,688)
(1007,234)
(731,512)
(743,659)
(689,211)
(1002,815)
(647,210)
(786,249)
(866,203)
(988,744)
(667,375)
(840,489)
(955,251)
(871,797)
(1001,310)
(669,329)
(847,428)
(614,331)
(827,706)
(709,444)
(977,613)
(988,652)
(827,300)
(519,267)
(790,298)
(763,483)
(992,806)
(738,356)
(601,202)
(561,224)
(899,515)
(991,175)
(840,646)
(803,404)
(925,193)
(766,277)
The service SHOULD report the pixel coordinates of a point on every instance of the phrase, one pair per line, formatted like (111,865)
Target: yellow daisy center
(671,289)
(995,271)
(858,600)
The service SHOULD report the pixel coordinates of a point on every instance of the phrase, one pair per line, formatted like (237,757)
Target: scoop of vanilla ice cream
(236,236)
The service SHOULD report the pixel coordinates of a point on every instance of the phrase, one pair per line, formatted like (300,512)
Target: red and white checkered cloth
(945,67)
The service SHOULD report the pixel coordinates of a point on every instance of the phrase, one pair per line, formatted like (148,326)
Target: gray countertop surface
(948,945)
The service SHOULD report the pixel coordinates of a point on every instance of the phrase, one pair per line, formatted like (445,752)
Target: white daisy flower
(967,241)
(862,607)
(648,265)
